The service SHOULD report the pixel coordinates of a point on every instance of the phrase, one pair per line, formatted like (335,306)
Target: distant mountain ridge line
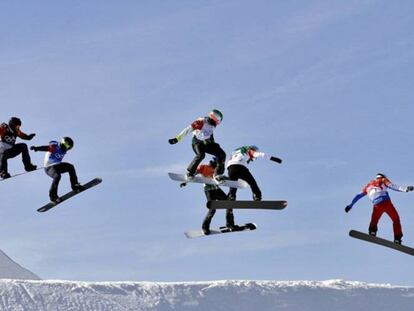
(222,295)
(331,283)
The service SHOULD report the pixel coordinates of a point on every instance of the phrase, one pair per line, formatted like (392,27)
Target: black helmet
(213,162)
(67,143)
(14,121)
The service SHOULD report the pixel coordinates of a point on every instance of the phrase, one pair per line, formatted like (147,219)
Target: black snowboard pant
(213,195)
(238,171)
(200,148)
(56,172)
(14,152)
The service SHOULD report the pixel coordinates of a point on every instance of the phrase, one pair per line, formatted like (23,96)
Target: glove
(410,188)
(34,148)
(277,160)
(183,184)
(173,141)
(347,209)
(30,137)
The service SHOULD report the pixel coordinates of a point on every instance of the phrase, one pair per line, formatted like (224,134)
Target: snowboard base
(199,233)
(23,173)
(380,241)
(227,204)
(70,194)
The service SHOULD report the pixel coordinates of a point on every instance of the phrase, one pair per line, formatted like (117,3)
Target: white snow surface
(332,295)
(11,270)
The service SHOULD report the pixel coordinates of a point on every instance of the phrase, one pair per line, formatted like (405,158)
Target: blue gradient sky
(325,85)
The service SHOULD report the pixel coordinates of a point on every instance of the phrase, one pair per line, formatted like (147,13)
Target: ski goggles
(66,145)
(215,118)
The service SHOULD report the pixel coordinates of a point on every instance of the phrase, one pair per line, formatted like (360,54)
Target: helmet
(216,115)
(67,143)
(255,148)
(14,122)
(380,175)
(213,162)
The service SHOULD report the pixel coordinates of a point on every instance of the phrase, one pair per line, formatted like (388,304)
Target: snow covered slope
(11,270)
(335,295)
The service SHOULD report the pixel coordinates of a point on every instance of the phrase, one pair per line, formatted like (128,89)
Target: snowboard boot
(78,187)
(220,179)
(257,197)
(4,175)
(219,169)
(31,167)
(189,176)
(230,221)
(398,241)
(206,229)
(55,199)
(231,197)
(206,222)
(234,228)
(372,233)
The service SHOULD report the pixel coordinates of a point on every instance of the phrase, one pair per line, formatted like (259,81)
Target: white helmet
(216,116)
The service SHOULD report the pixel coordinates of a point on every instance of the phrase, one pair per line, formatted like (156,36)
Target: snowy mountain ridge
(338,295)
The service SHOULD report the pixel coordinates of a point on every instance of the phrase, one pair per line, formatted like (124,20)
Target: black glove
(410,188)
(347,209)
(173,141)
(183,184)
(30,137)
(34,148)
(277,160)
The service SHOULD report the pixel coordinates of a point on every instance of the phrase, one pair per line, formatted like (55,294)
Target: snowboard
(380,241)
(210,181)
(70,194)
(199,233)
(227,204)
(22,173)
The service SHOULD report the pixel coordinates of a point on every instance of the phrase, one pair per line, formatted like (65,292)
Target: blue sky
(325,85)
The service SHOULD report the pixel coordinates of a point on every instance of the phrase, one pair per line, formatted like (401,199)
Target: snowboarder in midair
(237,169)
(54,167)
(9,149)
(377,192)
(213,192)
(203,142)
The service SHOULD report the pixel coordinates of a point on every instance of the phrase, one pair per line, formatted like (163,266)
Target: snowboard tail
(199,233)
(373,239)
(227,204)
(88,185)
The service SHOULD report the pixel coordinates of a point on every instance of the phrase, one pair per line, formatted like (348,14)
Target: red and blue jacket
(376,190)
